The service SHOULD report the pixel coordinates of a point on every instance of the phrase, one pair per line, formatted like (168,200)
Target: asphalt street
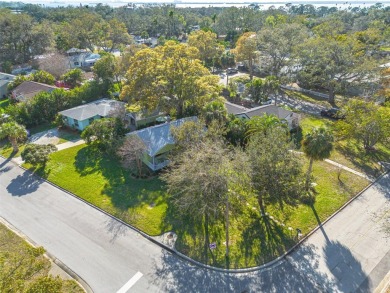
(350,253)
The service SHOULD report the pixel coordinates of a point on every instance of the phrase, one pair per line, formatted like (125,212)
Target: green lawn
(26,264)
(3,104)
(6,149)
(66,135)
(349,153)
(145,204)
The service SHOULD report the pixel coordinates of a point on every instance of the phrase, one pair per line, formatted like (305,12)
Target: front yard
(348,153)
(145,204)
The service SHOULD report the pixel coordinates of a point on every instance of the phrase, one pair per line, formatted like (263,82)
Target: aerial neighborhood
(168,147)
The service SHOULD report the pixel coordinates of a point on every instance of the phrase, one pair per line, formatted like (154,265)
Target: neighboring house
(143,118)
(234,108)
(292,118)
(81,58)
(82,116)
(28,89)
(158,142)
(5,79)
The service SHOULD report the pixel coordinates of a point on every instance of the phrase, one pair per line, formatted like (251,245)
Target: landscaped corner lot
(144,203)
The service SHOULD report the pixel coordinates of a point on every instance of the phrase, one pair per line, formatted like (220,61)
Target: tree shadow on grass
(24,184)
(362,159)
(125,192)
(191,230)
(264,240)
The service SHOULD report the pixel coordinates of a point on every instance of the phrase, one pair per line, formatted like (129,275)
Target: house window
(76,63)
(90,120)
(76,123)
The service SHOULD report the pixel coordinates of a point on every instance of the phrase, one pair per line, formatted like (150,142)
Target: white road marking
(130,283)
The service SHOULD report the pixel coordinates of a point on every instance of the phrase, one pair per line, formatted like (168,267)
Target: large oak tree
(170,78)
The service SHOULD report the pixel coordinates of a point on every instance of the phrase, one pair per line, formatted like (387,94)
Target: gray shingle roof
(100,107)
(157,137)
(28,89)
(234,108)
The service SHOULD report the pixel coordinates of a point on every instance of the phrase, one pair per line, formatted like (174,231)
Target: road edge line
(277,261)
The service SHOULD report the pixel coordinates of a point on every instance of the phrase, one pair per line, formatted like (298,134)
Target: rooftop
(100,107)
(157,137)
(234,108)
(28,89)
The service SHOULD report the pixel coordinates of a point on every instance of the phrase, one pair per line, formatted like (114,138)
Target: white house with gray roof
(82,116)
(158,141)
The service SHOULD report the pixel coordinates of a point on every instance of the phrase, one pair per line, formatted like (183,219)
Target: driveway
(351,251)
(50,136)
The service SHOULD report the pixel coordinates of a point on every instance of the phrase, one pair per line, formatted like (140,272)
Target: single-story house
(82,116)
(292,118)
(5,79)
(144,117)
(28,89)
(158,142)
(234,108)
(81,58)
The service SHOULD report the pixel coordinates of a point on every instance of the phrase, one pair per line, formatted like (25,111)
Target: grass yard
(21,265)
(145,204)
(349,153)
(3,104)
(6,149)
(66,135)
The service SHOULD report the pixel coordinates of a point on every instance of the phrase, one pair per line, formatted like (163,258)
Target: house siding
(81,124)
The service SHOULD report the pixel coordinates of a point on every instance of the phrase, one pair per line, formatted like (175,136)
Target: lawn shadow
(125,192)
(270,238)
(185,226)
(24,184)
(363,160)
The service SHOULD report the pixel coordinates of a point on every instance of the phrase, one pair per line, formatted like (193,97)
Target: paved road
(349,253)
(297,104)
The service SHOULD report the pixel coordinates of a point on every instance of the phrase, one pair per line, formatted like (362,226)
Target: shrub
(36,154)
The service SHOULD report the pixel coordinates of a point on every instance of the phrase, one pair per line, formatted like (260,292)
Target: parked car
(267,102)
(334,113)
(231,70)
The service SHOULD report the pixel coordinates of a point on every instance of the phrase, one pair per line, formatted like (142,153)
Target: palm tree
(265,123)
(317,145)
(215,110)
(14,132)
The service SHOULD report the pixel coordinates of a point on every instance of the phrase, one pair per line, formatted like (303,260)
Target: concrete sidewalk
(69,144)
(60,147)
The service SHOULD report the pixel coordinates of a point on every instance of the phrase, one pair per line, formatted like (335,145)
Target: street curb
(48,255)
(275,262)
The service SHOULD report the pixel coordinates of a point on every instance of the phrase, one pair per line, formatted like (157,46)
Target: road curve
(350,252)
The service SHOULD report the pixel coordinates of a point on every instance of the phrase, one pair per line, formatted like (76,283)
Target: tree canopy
(170,78)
